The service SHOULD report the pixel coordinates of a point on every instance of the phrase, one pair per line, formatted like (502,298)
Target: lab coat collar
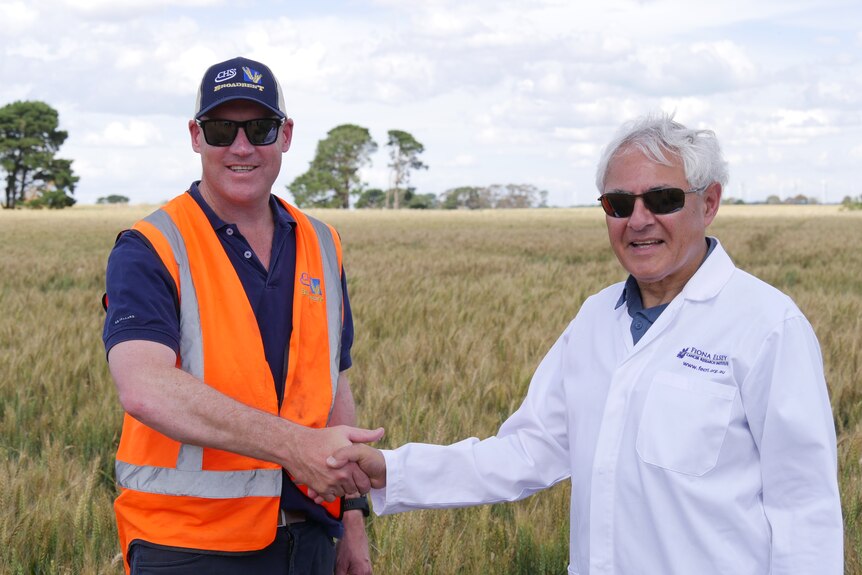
(631,293)
(704,285)
(710,277)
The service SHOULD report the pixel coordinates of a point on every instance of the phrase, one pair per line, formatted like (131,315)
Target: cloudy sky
(498,91)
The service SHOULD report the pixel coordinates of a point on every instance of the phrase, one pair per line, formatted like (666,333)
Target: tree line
(35,177)
(333,178)
(796,200)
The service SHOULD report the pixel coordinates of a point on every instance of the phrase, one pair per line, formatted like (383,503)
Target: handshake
(335,461)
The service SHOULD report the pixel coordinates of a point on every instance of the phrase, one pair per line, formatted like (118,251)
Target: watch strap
(360,503)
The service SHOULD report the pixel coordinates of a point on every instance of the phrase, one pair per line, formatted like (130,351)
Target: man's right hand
(369,460)
(309,463)
(158,394)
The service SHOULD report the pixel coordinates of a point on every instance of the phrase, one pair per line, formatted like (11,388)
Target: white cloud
(113,8)
(467,160)
(823,159)
(444,23)
(610,111)
(730,56)
(16,18)
(129,134)
(576,134)
(839,92)
(583,151)
(675,68)
(774,155)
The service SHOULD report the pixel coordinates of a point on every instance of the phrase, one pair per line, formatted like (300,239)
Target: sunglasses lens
(665,200)
(219,132)
(262,132)
(618,205)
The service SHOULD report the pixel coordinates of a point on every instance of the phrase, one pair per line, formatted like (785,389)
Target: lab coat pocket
(684,422)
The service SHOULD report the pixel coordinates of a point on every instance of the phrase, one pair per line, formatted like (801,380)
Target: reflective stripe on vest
(189,478)
(334,305)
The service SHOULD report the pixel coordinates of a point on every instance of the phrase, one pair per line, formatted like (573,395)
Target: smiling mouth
(241,169)
(646,244)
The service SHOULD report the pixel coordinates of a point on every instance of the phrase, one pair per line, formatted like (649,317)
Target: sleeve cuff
(379,496)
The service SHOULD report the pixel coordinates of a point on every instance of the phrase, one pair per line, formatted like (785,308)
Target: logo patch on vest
(311,287)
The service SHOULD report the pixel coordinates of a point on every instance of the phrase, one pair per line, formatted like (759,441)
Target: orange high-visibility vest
(183,495)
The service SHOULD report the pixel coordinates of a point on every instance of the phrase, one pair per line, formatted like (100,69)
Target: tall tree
(333,175)
(29,140)
(404,152)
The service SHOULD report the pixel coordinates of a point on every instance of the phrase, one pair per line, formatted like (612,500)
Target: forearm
(353,555)
(470,472)
(344,408)
(185,409)
(178,405)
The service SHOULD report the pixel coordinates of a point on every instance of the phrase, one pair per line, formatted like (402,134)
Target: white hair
(657,135)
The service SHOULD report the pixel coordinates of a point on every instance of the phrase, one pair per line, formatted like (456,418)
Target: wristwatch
(360,503)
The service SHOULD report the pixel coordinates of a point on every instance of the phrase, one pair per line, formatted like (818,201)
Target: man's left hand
(352,555)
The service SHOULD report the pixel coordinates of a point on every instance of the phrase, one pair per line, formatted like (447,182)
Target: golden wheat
(453,312)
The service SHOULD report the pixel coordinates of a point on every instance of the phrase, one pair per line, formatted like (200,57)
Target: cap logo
(225,75)
(251,75)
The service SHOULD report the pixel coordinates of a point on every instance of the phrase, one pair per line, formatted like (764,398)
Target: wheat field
(453,312)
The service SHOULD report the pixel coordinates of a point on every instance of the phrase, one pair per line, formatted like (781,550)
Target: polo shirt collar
(283,219)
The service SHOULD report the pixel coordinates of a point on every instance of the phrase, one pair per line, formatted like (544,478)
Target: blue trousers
(298,549)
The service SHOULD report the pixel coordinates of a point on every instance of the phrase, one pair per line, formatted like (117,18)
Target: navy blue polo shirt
(643,318)
(143,305)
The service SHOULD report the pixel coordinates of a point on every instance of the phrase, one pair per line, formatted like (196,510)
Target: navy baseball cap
(239,79)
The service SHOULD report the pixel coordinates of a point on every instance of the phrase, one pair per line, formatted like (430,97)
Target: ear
(287,130)
(196,135)
(711,202)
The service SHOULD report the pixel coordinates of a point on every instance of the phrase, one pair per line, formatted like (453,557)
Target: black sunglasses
(222,133)
(659,201)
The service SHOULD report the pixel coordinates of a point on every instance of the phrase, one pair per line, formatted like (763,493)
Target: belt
(289,517)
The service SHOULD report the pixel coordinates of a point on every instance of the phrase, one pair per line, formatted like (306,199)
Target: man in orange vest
(228,335)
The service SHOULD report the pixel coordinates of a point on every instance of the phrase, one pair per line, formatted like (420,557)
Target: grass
(453,312)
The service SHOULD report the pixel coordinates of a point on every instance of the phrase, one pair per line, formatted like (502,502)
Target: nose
(241,145)
(641,217)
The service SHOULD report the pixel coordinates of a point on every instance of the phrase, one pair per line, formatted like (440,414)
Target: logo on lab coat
(704,361)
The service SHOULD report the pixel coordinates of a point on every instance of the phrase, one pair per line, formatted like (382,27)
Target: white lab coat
(707,448)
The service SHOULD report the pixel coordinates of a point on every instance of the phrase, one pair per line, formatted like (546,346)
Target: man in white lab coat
(688,404)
